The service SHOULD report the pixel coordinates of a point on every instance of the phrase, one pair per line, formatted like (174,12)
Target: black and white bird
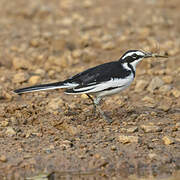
(102,80)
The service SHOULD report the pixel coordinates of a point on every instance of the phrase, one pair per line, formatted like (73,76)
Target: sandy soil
(56,136)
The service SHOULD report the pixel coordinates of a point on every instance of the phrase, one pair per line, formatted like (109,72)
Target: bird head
(133,57)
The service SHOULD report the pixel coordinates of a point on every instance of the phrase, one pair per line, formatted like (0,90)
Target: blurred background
(45,41)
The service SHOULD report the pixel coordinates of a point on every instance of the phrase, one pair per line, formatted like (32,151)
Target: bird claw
(109,120)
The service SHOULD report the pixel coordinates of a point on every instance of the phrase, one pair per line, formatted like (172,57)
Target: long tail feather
(41,87)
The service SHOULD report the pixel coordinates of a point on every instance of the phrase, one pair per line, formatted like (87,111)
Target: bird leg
(96,106)
(94,109)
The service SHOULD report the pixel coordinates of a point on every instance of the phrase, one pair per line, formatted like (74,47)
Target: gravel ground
(56,136)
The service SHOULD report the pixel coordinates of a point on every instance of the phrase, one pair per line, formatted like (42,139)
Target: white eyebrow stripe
(128,54)
(131,53)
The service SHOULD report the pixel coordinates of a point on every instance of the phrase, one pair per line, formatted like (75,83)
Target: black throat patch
(131,67)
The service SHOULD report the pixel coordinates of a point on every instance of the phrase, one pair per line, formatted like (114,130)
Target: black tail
(41,87)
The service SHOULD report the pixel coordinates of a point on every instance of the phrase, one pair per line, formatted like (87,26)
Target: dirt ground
(50,135)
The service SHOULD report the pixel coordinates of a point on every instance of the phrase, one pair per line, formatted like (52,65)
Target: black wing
(97,75)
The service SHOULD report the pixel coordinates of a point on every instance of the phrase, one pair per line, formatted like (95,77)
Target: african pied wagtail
(102,80)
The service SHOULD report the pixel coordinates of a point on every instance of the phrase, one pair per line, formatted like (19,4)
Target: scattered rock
(54,104)
(57,61)
(40,57)
(58,44)
(87,4)
(176,92)
(8,95)
(148,99)
(14,121)
(42,176)
(106,38)
(51,73)
(3,158)
(128,139)
(35,42)
(161,72)
(177,125)
(19,63)
(66,144)
(155,83)
(113,148)
(1,91)
(72,130)
(141,85)
(144,32)
(40,72)
(4,123)
(77,53)
(168,140)
(165,105)
(34,79)
(78,18)
(165,88)
(66,21)
(152,155)
(132,129)
(10,131)
(20,77)
(108,46)
(142,117)
(167,79)
(88,55)
(174,51)
(151,128)
(84,96)
(97,156)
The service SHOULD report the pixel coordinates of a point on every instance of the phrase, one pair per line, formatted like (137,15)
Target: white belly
(123,86)
(111,92)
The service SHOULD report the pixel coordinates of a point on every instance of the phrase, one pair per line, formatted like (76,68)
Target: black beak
(153,55)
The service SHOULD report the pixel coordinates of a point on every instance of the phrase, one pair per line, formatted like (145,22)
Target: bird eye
(134,56)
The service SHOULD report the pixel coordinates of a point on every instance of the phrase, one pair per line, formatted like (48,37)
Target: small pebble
(54,104)
(152,155)
(34,42)
(19,63)
(167,79)
(148,99)
(168,140)
(141,85)
(132,129)
(4,123)
(40,72)
(165,105)
(34,79)
(176,93)
(10,131)
(155,83)
(20,77)
(113,148)
(177,125)
(3,158)
(108,46)
(151,128)
(77,53)
(84,96)
(128,139)
(165,88)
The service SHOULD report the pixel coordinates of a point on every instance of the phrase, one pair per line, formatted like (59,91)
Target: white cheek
(135,63)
